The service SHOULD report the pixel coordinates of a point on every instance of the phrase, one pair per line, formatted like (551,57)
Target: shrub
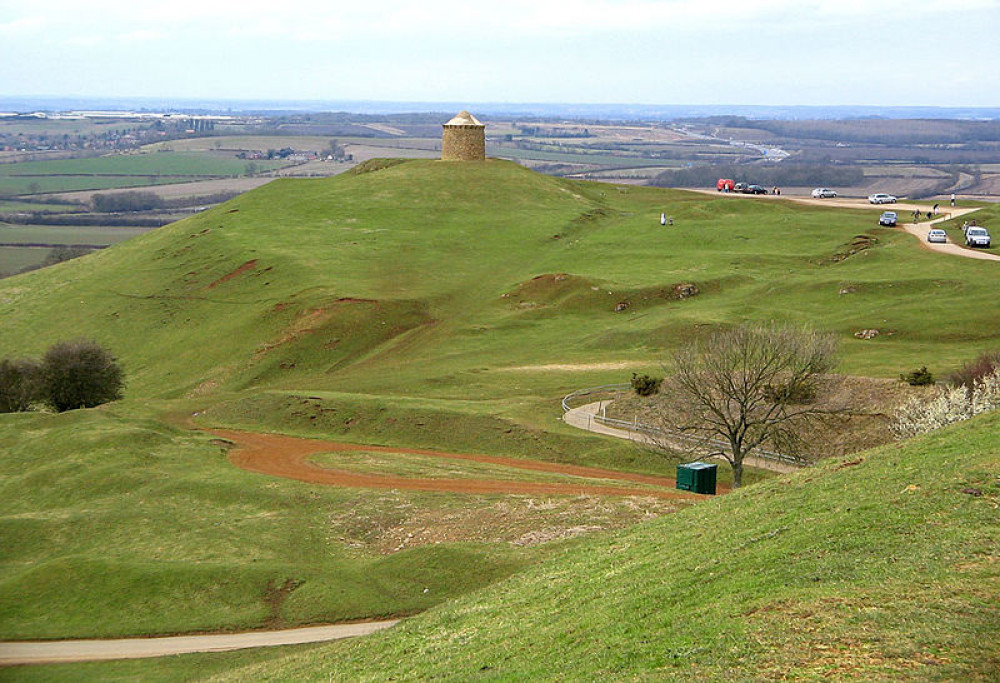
(951,404)
(81,374)
(790,392)
(644,385)
(918,378)
(21,385)
(967,376)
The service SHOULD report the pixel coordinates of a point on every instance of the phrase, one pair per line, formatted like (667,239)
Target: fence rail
(577,397)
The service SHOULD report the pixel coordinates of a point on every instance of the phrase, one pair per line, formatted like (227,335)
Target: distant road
(61,651)
(918,230)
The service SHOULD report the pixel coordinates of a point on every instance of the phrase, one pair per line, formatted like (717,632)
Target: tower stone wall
(463,139)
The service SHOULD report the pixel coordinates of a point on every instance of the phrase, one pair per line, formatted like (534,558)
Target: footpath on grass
(64,651)
(289,457)
(919,230)
(583,416)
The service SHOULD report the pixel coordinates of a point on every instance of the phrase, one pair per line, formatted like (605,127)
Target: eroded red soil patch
(249,265)
(288,457)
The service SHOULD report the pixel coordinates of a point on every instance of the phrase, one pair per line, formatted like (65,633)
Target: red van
(724,185)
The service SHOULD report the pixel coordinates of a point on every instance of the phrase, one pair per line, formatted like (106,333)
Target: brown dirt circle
(288,457)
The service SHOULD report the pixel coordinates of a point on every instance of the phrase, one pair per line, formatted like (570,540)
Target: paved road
(583,418)
(54,652)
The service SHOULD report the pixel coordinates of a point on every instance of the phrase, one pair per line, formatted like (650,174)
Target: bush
(644,385)
(970,373)
(950,404)
(918,378)
(125,201)
(81,374)
(21,385)
(791,392)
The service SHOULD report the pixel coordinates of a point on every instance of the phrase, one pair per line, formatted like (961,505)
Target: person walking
(953,199)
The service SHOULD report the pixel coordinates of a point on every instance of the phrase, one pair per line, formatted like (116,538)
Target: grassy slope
(382,296)
(883,567)
(460,237)
(117,526)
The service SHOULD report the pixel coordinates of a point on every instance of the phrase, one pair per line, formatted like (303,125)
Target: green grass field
(157,164)
(450,306)
(65,234)
(15,259)
(121,171)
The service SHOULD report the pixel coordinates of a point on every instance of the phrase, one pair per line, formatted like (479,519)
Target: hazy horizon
(885,53)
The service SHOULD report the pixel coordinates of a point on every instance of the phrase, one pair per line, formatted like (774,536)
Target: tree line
(71,375)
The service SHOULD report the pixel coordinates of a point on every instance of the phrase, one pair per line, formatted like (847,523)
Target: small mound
(574,293)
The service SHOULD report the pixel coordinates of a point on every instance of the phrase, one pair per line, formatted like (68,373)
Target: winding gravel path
(62,651)
(583,418)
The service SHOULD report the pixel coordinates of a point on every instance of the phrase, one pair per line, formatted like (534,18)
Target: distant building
(463,139)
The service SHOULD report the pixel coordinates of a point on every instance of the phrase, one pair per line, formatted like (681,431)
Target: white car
(937,235)
(881,198)
(823,193)
(977,237)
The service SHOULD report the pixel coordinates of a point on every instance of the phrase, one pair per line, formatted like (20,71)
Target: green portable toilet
(697,477)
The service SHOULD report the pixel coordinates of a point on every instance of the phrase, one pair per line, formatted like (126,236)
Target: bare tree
(746,388)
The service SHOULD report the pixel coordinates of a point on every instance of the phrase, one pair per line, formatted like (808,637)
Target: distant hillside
(417,269)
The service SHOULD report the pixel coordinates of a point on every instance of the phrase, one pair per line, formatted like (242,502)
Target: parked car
(888,219)
(755,189)
(724,185)
(740,187)
(881,198)
(937,235)
(823,193)
(977,237)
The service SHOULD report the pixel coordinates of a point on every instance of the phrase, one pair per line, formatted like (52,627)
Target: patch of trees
(83,219)
(71,375)
(125,201)
(873,130)
(781,175)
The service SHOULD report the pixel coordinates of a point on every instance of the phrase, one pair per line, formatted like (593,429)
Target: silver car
(881,198)
(937,235)
(823,193)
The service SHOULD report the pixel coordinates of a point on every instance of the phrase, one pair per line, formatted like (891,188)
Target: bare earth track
(62,651)
(288,457)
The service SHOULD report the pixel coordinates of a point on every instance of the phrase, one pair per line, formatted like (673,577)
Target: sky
(762,52)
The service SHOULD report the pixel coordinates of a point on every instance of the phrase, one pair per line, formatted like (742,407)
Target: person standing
(953,199)
(663,219)
(935,209)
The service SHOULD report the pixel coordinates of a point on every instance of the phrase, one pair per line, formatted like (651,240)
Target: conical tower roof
(464,118)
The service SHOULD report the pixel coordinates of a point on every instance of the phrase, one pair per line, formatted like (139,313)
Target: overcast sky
(769,52)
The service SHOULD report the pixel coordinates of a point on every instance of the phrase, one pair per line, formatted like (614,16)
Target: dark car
(755,189)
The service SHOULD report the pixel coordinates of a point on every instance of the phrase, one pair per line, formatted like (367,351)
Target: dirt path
(61,651)
(288,457)
(583,418)
(920,232)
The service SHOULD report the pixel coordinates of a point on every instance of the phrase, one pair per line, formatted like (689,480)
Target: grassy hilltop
(450,306)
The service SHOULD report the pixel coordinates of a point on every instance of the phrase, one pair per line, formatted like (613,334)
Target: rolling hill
(434,305)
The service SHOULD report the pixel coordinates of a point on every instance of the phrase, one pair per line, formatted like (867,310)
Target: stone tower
(463,139)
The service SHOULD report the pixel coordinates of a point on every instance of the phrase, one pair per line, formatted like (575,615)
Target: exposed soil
(288,457)
(249,265)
